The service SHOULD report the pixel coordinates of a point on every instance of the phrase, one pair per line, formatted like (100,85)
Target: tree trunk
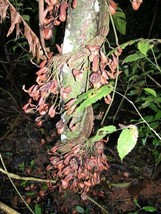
(88,24)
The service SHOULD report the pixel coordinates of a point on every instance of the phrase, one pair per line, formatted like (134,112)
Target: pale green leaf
(127,140)
(119,19)
(149,208)
(133,57)
(79,209)
(101,133)
(150,91)
(144,46)
(158,115)
(92,96)
(37,209)
(120,185)
(26,17)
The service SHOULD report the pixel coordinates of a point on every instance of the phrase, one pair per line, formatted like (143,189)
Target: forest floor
(129,187)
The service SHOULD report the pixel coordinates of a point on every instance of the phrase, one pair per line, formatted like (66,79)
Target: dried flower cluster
(77,169)
(53,14)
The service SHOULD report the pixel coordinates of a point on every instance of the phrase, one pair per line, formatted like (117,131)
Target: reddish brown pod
(112,7)
(136,4)
(74,4)
(63,12)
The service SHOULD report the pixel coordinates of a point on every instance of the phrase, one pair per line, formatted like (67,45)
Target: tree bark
(88,24)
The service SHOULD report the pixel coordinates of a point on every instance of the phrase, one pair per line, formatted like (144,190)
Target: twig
(140,115)
(157,83)
(3,164)
(98,205)
(18,177)
(154,16)
(7,209)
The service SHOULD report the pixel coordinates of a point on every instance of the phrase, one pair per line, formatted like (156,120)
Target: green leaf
(37,209)
(79,209)
(127,140)
(157,116)
(26,17)
(30,193)
(149,208)
(150,91)
(92,96)
(149,118)
(144,46)
(101,133)
(133,57)
(119,19)
(120,185)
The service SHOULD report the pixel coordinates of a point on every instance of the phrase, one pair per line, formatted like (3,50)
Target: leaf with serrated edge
(127,140)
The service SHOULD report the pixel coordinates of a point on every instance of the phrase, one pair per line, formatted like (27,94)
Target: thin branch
(7,209)
(98,205)
(18,177)
(139,114)
(154,16)
(3,164)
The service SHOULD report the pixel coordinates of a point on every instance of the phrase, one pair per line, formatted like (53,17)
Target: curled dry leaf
(108,99)
(43,63)
(15,20)
(94,50)
(3,9)
(38,121)
(65,91)
(95,79)
(77,74)
(43,109)
(112,7)
(95,63)
(70,107)
(41,71)
(52,111)
(63,13)
(74,4)
(60,126)
(76,168)
(59,49)
(64,184)
(47,33)
(136,4)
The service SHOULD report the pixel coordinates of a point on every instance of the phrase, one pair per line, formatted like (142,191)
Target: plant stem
(3,164)
(98,205)
(140,115)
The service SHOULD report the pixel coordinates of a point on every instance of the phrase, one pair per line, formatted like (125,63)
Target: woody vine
(68,83)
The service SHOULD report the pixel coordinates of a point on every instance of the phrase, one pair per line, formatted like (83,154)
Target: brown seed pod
(136,4)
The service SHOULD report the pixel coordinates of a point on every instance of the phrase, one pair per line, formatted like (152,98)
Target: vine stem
(7,209)
(98,205)
(136,109)
(117,72)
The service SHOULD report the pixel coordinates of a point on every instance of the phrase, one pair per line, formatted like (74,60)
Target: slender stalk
(98,205)
(3,164)
(18,177)
(140,115)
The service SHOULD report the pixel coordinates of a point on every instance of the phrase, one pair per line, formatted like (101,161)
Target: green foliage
(79,209)
(141,78)
(119,19)
(37,209)
(149,209)
(127,140)
(101,133)
(144,46)
(92,96)
(145,208)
